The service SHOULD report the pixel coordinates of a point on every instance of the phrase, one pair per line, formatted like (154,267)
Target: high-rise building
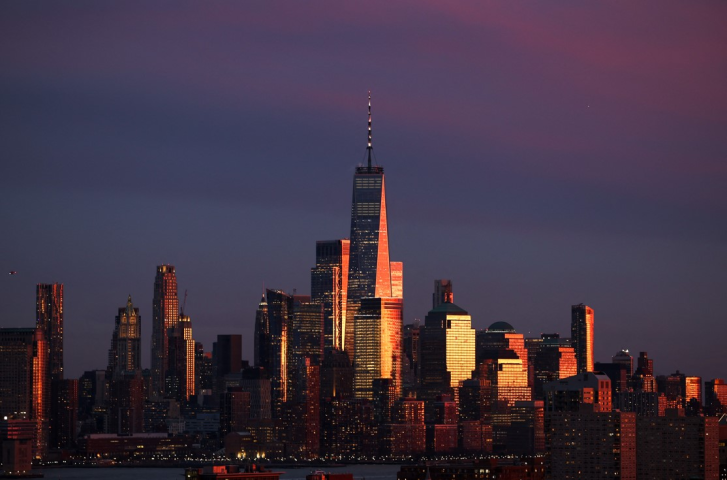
(448,351)
(592,445)
(623,357)
(227,355)
(180,377)
(165,315)
(442,292)
(377,349)
(125,351)
(49,318)
(715,396)
(305,340)
(397,279)
(280,311)
(369,268)
(262,335)
(499,336)
(571,393)
(64,408)
(582,336)
(16,372)
(675,446)
(329,287)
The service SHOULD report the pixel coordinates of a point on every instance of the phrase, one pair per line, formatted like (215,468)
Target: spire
(369,146)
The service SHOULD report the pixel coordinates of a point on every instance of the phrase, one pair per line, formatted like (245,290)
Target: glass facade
(582,336)
(378,345)
(165,315)
(369,268)
(329,286)
(49,317)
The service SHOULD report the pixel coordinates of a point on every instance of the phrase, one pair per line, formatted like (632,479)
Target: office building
(262,335)
(16,372)
(448,351)
(125,351)
(623,357)
(397,279)
(280,312)
(180,376)
(715,396)
(49,318)
(378,343)
(582,336)
(442,292)
(329,287)
(369,268)
(498,337)
(570,394)
(165,315)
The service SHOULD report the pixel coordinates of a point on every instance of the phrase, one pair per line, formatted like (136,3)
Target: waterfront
(360,472)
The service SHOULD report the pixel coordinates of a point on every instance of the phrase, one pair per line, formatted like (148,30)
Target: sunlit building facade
(369,268)
(280,311)
(582,336)
(378,343)
(448,350)
(165,315)
(329,287)
(49,318)
(397,279)
(180,375)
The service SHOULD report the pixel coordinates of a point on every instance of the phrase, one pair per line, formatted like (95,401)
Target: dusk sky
(539,154)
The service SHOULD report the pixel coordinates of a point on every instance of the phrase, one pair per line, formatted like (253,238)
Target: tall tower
(581,328)
(262,335)
(125,351)
(448,351)
(369,269)
(280,312)
(179,377)
(165,315)
(49,318)
(329,286)
(378,346)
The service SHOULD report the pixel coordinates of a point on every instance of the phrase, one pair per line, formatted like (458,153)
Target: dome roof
(501,327)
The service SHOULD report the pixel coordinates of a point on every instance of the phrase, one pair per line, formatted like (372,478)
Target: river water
(360,472)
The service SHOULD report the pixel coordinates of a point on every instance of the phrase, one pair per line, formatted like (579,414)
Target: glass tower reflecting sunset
(369,270)
(582,336)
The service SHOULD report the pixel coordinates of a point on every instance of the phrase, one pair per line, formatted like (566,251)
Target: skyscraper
(442,292)
(180,377)
(262,335)
(397,279)
(125,351)
(377,350)
(329,287)
(165,315)
(280,311)
(582,336)
(49,318)
(448,351)
(369,268)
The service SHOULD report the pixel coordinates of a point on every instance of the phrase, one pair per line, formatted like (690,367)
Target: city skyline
(526,221)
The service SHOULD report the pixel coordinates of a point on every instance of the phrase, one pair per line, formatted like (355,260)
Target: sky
(539,154)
